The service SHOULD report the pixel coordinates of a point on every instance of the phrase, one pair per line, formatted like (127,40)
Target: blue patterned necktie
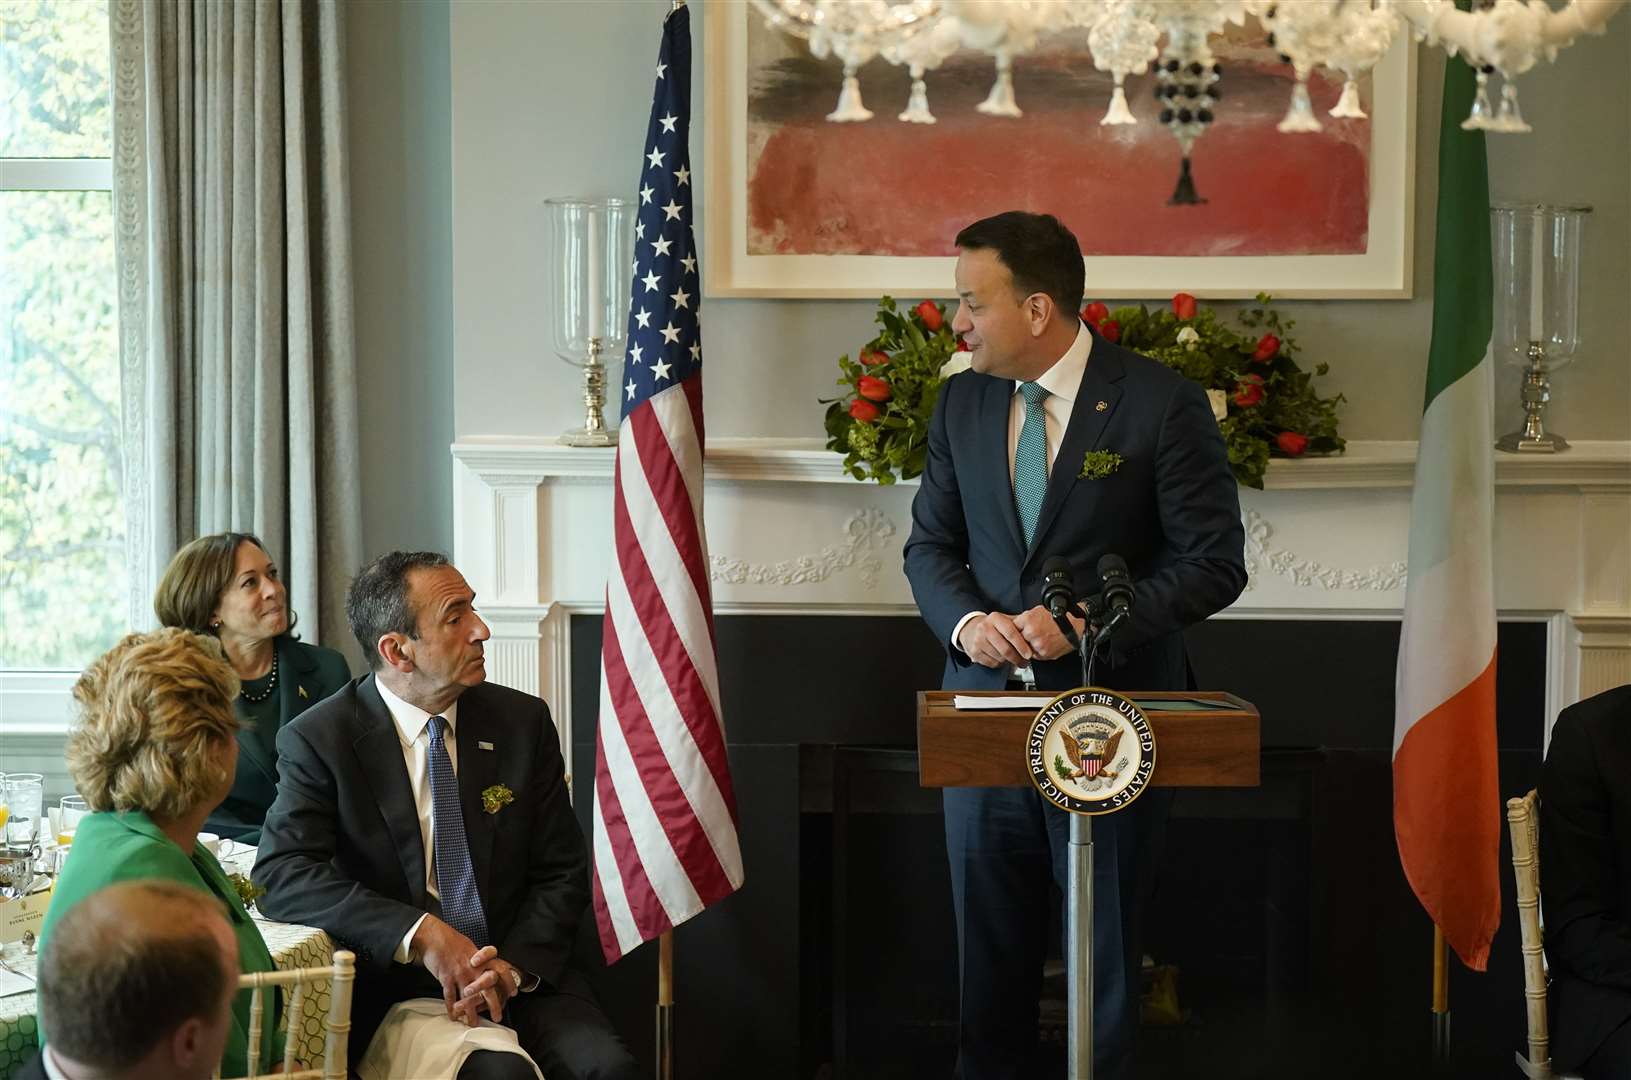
(455,877)
(1031,460)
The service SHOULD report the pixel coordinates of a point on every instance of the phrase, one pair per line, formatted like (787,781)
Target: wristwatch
(515,973)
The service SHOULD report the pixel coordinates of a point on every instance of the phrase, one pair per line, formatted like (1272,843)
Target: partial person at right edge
(422,819)
(1585,885)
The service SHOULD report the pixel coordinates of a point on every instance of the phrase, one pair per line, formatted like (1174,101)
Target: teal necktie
(1031,460)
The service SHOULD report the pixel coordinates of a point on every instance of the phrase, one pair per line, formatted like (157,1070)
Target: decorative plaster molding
(1588,465)
(864,533)
(1260,553)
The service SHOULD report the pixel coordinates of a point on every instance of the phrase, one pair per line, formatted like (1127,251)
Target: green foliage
(62,561)
(895,445)
(248,892)
(1271,402)
(1061,767)
(1097,464)
(1220,357)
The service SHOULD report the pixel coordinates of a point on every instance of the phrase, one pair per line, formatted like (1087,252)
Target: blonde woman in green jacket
(153,754)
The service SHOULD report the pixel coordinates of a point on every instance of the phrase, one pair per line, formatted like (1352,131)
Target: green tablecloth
(291,947)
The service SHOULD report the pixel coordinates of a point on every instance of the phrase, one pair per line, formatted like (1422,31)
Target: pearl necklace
(264,694)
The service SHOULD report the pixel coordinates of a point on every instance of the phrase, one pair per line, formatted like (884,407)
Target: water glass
(24,799)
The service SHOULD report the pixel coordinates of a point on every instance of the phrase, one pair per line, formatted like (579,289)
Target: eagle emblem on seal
(1089,757)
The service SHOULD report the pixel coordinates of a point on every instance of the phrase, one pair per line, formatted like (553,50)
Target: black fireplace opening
(1279,930)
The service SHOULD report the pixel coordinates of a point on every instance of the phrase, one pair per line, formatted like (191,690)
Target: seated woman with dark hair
(226,585)
(153,753)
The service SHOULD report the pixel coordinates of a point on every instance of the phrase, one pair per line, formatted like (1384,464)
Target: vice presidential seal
(1090,751)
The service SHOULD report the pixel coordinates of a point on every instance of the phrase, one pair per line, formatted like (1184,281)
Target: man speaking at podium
(1006,488)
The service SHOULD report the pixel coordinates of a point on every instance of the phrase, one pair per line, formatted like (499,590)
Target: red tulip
(1248,391)
(1183,305)
(1094,314)
(1291,442)
(863,410)
(874,389)
(1110,330)
(872,358)
(930,313)
(1267,346)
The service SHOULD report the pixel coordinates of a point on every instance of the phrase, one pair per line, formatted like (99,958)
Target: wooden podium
(1215,745)
(1204,738)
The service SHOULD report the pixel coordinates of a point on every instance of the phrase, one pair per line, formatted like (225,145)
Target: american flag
(665,843)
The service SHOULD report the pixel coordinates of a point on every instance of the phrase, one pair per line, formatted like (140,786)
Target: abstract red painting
(860,203)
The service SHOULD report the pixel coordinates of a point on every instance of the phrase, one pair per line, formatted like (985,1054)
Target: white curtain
(238,372)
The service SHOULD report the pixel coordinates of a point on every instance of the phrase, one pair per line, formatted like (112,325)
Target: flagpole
(665,1006)
(1441,1000)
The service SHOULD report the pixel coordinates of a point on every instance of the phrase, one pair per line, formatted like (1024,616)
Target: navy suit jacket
(1171,510)
(1585,873)
(342,851)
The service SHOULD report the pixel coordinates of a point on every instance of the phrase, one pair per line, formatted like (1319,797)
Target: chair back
(296,984)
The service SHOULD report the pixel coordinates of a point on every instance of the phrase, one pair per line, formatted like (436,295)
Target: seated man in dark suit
(422,818)
(1585,884)
(137,982)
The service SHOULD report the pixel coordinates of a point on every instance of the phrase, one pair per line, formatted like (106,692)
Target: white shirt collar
(49,1061)
(1064,378)
(410,720)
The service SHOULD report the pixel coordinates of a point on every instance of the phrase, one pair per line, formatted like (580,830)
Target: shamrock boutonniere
(1097,464)
(496,798)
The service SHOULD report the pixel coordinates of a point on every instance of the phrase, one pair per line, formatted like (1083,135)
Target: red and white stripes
(665,843)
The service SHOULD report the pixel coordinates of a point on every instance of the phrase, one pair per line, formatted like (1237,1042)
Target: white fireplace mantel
(789,532)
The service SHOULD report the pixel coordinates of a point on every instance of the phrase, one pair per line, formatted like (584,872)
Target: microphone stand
(1079,908)
(1079,884)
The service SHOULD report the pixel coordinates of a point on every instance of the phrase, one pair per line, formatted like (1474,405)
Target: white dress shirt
(1061,381)
(413,731)
(49,1061)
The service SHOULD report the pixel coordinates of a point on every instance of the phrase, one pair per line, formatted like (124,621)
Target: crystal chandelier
(1126,37)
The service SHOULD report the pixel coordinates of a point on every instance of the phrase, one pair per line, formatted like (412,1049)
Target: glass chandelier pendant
(1186,87)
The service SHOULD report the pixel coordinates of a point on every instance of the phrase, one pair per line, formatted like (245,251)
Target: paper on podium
(1002,701)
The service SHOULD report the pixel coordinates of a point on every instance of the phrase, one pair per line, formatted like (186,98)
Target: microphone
(1058,586)
(1117,584)
(1117,593)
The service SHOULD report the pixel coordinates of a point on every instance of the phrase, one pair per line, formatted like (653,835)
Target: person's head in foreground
(137,982)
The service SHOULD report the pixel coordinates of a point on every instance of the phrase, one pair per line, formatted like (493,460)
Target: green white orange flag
(1446,794)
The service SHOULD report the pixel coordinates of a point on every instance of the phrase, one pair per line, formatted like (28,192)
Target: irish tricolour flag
(1446,796)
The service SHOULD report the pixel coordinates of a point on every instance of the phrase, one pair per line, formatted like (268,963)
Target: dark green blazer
(129,847)
(306,675)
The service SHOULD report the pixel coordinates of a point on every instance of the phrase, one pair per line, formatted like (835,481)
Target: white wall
(402,240)
(552,99)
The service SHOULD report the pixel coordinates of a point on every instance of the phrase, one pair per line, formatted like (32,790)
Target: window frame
(36,702)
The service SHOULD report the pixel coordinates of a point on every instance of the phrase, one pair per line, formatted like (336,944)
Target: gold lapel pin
(1101,406)
(302,690)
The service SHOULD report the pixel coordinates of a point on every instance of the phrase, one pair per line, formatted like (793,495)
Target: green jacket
(306,675)
(114,847)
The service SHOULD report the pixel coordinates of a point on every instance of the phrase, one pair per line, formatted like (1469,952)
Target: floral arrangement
(1265,405)
(881,424)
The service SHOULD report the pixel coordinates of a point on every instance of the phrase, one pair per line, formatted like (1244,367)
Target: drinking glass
(24,798)
(70,808)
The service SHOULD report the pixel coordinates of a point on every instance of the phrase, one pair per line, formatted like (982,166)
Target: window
(63,575)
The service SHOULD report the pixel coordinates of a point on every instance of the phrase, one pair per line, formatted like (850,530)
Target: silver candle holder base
(594,431)
(1533,438)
